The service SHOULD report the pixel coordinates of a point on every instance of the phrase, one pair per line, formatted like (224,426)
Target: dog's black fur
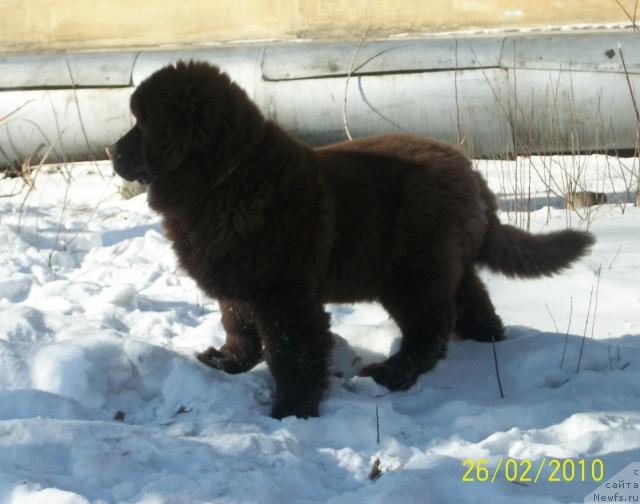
(273,229)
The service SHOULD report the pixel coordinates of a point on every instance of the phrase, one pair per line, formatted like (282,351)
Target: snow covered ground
(102,399)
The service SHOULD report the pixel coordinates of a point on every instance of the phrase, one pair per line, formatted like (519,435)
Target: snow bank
(102,399)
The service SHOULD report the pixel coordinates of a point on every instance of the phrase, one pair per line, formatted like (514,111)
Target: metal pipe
(497,95)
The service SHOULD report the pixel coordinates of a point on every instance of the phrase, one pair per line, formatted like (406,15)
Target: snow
(102,399)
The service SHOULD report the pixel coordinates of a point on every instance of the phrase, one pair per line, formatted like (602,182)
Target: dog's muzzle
(127,158)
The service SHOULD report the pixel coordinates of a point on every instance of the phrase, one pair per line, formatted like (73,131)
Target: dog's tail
(517,253)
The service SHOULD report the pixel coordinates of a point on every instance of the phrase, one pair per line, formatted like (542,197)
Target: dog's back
(388,187)
(394,197)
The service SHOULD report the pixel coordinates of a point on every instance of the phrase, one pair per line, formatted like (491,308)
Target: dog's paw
(221,360)
(282,409)
(390,374)
(302,402)
(212,357)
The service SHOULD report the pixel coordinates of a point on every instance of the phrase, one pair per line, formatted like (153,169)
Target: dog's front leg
(297,343)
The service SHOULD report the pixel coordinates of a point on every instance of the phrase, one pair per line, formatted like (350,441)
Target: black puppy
(273,229)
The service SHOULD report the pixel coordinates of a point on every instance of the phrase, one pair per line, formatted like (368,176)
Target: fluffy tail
(515,252)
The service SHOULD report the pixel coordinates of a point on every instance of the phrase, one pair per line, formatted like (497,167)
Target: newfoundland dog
(274,229)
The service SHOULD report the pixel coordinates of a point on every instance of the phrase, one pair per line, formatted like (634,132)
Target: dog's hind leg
(297,343)
(243,348)
(476,317)
(422,306)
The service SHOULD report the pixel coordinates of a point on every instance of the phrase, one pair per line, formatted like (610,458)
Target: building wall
(57,24)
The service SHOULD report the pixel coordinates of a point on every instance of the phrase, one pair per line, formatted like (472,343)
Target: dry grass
(559,175)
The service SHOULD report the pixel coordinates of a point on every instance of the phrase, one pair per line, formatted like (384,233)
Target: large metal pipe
(498,95)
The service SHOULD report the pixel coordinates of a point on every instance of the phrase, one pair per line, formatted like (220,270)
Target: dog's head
(186,114)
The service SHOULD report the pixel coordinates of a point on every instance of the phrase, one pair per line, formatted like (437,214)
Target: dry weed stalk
(455,86)
(566,335)
(631,17)
(33,175)
(82,126)
(345,118)
(593,321)
(635,108)
(551,316)
(7,116)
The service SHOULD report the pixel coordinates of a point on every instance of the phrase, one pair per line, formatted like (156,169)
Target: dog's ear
(173,114)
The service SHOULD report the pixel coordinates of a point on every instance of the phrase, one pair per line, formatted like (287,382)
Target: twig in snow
(595,306)
(613,358)
(375,472)
(65,202)
(586,323)
(615,257)
(552,319)
(377,426)
(183,409)
(495,360)
(25,173)
(609,354)
(584,334)
(36,170)
(566,336)
(11,195)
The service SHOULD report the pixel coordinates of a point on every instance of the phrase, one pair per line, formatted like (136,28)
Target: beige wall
(38,24)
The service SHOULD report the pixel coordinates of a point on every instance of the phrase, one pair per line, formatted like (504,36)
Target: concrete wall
(73,24)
